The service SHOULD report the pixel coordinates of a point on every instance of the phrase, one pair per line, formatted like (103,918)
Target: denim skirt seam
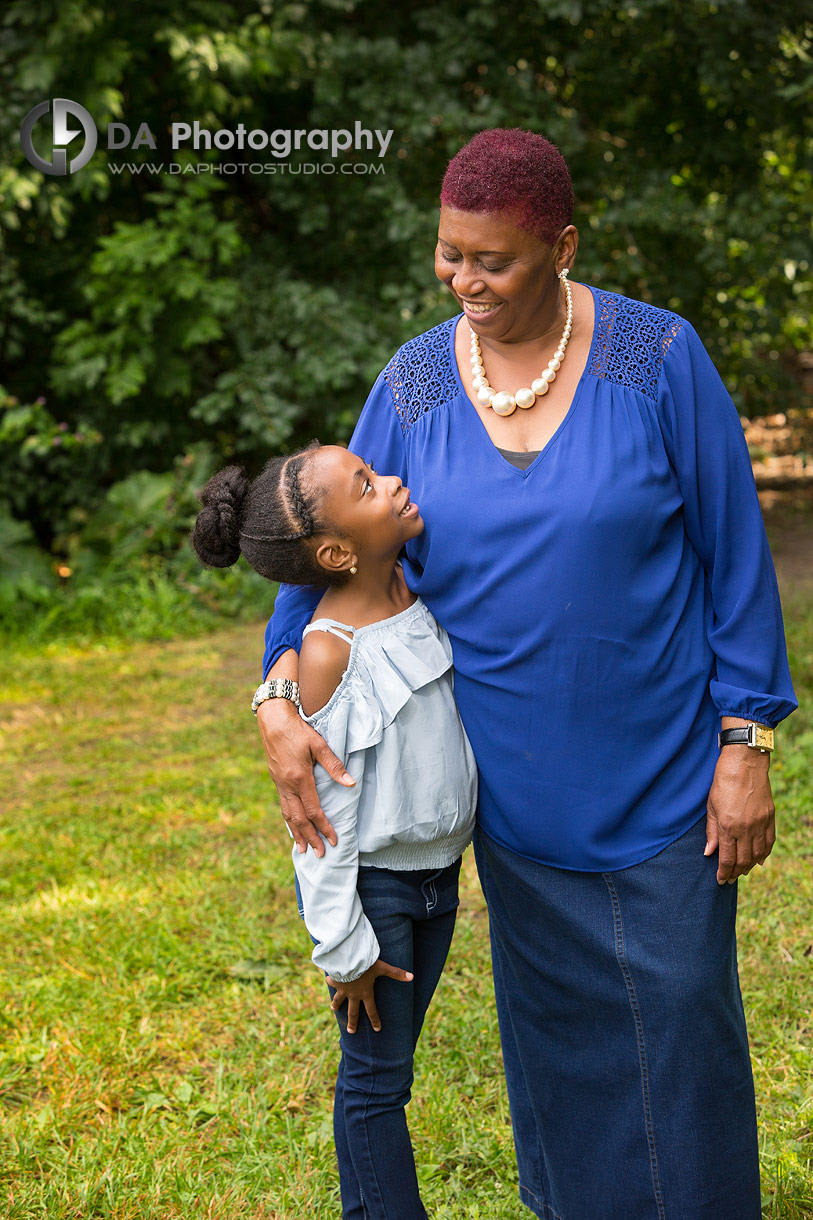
(525,1194)
(635,1008)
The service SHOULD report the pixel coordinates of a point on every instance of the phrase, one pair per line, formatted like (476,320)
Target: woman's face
(503,278)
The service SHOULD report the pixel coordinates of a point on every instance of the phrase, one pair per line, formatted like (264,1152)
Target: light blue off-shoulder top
(393,722)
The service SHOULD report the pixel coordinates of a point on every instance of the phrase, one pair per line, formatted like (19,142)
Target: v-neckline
(563,422)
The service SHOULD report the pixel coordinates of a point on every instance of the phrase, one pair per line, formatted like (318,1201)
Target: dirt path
(781,448)
(789,522)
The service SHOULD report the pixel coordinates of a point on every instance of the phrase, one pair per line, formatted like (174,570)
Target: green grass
(143,856)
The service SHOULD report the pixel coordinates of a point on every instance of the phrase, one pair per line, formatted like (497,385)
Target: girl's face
(373,511)
(503,278)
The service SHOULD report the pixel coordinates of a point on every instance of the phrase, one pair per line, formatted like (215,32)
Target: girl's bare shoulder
(322,661)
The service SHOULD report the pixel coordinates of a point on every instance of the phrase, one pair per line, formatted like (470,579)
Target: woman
(595,549)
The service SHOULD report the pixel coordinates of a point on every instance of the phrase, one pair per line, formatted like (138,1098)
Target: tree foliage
(252,311)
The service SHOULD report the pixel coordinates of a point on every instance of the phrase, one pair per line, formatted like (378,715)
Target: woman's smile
(482,311)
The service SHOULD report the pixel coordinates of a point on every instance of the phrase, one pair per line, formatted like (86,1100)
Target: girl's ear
(335,556)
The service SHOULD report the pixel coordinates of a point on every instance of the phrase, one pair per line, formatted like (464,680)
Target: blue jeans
(413,915)
(623,1036)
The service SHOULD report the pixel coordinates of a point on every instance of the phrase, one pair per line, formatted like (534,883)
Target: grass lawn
(145,1073)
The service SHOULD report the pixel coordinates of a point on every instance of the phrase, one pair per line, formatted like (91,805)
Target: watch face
(763,738)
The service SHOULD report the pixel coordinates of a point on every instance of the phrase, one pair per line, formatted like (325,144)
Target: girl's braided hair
(269,520)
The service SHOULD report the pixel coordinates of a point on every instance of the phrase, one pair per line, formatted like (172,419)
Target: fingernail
(348,779)
(707,850)
(301,849)
(731,882)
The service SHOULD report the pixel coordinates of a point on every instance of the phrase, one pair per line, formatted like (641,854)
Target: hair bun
(216,535)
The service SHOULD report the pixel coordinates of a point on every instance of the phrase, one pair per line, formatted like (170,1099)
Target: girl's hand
(292,747)
(360,991)
(740,812)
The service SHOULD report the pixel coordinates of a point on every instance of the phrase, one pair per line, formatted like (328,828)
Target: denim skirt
(623,1036)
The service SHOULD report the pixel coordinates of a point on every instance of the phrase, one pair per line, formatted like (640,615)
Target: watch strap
(757,736)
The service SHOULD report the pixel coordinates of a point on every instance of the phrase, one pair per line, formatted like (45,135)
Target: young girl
(375,679)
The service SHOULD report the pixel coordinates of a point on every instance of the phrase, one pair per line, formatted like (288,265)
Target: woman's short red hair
(506,169)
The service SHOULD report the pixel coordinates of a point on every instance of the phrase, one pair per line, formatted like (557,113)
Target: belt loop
(430,892)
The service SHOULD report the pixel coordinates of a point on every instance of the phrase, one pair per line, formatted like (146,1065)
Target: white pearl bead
(539,387)
(555,364)
(549,374)
(525,398)
(503,403)
(485,395)
(479,382)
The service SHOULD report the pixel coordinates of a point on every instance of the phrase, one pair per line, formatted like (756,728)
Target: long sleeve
(293,608)
(723,523)
(333,913)
(378,439)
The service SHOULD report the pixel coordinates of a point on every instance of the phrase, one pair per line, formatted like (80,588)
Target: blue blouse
(605,606)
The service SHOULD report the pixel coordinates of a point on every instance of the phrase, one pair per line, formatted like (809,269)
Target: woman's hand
(360,991)
(740,812)
(292,747)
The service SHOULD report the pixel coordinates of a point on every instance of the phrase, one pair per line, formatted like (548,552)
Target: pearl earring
(353,570)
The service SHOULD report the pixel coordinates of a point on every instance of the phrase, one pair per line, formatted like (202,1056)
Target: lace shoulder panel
(421,375)
(631,341)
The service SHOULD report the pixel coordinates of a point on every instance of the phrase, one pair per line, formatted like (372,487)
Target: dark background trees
(162,317)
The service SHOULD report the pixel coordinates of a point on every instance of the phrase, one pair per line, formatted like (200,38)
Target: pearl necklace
(501,401)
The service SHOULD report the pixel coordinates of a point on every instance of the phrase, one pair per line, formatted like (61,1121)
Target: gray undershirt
(519,458)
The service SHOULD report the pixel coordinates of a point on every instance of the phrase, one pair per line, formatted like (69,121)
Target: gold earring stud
(353,570)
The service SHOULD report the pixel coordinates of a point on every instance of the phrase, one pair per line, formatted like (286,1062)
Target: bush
(127,570)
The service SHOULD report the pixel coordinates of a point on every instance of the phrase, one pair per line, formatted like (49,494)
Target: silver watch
(276,688)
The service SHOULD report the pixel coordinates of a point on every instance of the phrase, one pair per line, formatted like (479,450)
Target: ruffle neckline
(389,660)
